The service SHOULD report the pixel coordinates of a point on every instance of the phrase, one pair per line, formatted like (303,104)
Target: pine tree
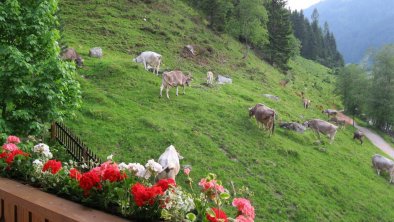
(280,34)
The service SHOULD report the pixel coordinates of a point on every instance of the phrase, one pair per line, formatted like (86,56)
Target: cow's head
(79,61)
(137,59)
(189,79)
(251,111)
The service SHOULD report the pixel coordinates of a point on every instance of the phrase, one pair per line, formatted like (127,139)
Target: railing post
(53,130)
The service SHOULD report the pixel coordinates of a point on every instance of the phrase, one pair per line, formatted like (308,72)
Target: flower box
(23,203)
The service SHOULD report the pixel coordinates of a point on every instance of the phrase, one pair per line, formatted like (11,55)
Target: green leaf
(224,196)
(191,216)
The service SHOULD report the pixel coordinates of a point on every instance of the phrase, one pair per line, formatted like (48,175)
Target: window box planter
(23,203)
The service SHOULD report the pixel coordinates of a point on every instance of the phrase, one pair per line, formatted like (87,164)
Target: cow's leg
(157,69)
(184,90)
(378,171)
(332,136)
(318,135)
(161,90)
(167,89)
(176,90)
(145,65)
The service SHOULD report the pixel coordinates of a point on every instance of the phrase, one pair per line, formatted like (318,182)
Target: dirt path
(377,141)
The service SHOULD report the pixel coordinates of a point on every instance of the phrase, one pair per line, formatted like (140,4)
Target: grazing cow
(306,102)
(169,160)
(71,55)
(174,78)
(330,112)
(337,121)
(382,163)
(149,58)
(358,135)
(264,115)
(283,82)
(299,128)
(209,78)
(321,126)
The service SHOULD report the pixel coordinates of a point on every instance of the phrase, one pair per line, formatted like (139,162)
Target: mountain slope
(291,178)
(357,24)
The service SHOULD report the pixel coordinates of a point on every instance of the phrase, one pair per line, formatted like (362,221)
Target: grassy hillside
(291,178)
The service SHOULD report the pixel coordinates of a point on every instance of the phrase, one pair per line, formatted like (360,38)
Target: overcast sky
(301,4)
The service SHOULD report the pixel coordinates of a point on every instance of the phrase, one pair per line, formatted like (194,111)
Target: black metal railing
(74,145)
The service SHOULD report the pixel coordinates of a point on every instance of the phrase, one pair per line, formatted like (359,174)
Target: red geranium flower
(165,183)
(220,216)
(9,157)
(112,173)
(75,174)
(13,139)
(52,165)
(89,180)
(145,195)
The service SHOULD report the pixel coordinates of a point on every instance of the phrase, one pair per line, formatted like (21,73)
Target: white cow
(169,160)
(209,78)
(382,163)
(149,58)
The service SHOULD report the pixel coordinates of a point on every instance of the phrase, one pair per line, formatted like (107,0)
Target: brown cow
(174,78)
(338,121)
(264,115)
(330,112)
(358,135)
(321,126)
(306,102)
(71,55)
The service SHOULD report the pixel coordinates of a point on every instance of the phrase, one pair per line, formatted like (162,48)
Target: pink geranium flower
(210,185)
(187,171)
(244,207)
(242,218)
(10,147)
(13,139)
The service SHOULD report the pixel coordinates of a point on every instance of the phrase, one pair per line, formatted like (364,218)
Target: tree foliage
(217,12)
(353,86)
(381,96)
(281,44)
(370,91)
(36,87)
(248,22)
(316,43)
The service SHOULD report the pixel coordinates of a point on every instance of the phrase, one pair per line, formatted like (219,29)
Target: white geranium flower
(122,166)
(47,154)
(37,163)
(137,169)
(152,168)
(41,148)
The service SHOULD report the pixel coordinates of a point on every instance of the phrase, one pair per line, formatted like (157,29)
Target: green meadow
(291,176)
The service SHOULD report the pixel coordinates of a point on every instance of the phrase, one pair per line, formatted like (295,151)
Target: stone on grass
(96,52)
